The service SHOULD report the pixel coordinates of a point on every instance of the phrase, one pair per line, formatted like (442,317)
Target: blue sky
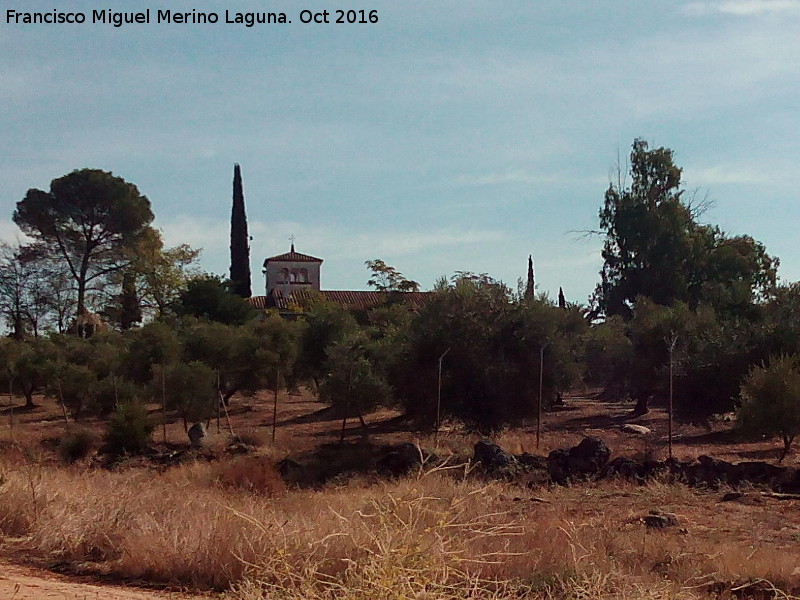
(449,136)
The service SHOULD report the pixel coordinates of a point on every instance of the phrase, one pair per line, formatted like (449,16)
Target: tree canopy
(386,278)
(771,400)
(90,218)
(240,240)
(655,247)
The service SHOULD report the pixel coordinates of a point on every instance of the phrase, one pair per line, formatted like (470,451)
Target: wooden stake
(63,406)
(219,402)
(672,341)
(439,400)
(164,403)
(346,403)
(275,405)
(227,416)
(539,406)
(11,407)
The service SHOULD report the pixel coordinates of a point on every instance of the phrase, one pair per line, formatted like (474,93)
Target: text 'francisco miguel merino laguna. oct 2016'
(192,17)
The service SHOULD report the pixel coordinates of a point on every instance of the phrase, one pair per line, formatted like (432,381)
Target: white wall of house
(287,276)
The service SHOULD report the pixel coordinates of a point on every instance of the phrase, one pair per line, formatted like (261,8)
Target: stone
(491,455)
(400,460)
(732,496)
(291,471)
(624,467)
(743,498)
(636,429)
(532,462)
(587,459)
(495,461)
(558,466)
(197,435)
(657,519)
(592,452)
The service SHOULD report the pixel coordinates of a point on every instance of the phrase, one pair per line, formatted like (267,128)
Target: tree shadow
(393,425)
(400,423)
(21,409)
(727,437)
(598,422)
(557,408)
(762,454)
(323,415)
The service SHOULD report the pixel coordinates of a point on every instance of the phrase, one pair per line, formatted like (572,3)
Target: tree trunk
(81,297)
(19,328)
(226,397)
(81,283)
(362,421)
(787,443)
(641,407)
(28,393)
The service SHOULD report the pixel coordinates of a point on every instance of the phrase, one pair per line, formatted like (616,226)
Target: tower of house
(291,272)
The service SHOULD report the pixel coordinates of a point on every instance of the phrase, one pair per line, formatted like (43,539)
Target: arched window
(304,275)
(293,276)
(284,278)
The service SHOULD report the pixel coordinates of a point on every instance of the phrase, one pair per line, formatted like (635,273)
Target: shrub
(76,446)
(253,474)
(129,430)
(771,400)
(252,438)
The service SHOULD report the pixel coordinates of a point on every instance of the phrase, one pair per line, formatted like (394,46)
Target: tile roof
(351,299)
(293,256)
(371,299)
(259,302)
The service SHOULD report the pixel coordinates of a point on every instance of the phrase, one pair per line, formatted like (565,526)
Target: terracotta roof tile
(293,256)
(351,299)
(370,299)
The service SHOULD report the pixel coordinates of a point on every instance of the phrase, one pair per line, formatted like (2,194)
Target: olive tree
(771,400)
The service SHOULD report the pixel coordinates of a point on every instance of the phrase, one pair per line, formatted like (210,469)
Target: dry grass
(251,473)
(232,525)
(436,536)
(250,436)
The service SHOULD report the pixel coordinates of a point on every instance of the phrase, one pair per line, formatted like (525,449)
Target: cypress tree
(562,301)
(131,312)
(240,240)
(530,290)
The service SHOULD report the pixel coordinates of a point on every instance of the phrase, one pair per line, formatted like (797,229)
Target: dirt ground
(303,424)
(27,583)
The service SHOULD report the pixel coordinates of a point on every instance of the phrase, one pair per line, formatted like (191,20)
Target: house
(293,281)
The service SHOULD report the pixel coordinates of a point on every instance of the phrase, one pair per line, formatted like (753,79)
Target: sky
(449,136)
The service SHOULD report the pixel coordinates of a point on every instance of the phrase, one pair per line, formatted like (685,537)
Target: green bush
(76,446)
(771,400)
(129,430)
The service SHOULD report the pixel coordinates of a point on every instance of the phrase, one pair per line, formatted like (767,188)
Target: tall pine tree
(240,240)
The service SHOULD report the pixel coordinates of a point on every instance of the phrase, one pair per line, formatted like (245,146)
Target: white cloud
(501,178)
(728,174)
(344,243)
(742,7)
(10,233)
(318,240)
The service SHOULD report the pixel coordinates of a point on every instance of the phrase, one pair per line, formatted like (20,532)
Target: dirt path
(24,583)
